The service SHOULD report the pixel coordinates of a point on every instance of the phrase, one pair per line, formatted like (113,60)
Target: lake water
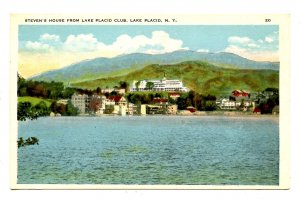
(151,150)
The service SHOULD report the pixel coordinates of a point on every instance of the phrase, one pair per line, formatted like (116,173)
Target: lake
(151,150)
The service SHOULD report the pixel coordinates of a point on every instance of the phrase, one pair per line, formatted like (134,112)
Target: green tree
(274,90)
(137,85)
(23,111)
(41,109)
(98,90)
(71,109)
(149,86)
(198,101)
(21,86)
(242,104)
(210,106)
(53,107)
(37,89)
(109,109)
(181,103)
(58,108)
(171,100)
(191,98)
(113,93)
(124,85)
(158,95)
(68,92)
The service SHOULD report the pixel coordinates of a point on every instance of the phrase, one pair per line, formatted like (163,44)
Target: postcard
(150,101)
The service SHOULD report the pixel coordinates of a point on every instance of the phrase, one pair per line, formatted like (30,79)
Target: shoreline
(224,113)
(186,113)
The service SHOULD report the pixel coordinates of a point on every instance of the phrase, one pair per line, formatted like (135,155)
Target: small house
(191,109)
(172,109)
(240,93)
(118,100)
(160,101)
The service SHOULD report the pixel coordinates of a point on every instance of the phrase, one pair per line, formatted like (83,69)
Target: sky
(48,47)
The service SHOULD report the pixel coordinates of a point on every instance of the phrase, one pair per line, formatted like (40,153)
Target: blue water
(153,150)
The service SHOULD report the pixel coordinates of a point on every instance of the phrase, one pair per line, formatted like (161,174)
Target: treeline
(198,101)
(52,91)
(266,106)
(47,90)
(44,90)
(145,97)
(27,111)
(64,109)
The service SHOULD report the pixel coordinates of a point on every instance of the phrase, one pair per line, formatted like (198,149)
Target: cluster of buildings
(243,100)
(99,104)
(238,100)
(118,105)
(158,85)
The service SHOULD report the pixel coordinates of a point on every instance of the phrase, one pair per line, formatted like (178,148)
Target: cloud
(239,40)
(37,46)
(258,55)
(261,41)
(235,49)
(47,37)
(272,37)
(53,52)
(159,42)
(243,41)
(269,39)
(203,50)
(81,42)
(45,43)
(262,49)
(253,45)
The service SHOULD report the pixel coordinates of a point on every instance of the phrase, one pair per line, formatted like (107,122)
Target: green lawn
(34,100)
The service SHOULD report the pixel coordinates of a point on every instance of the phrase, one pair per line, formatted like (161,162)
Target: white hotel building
(81,102)
(159,85)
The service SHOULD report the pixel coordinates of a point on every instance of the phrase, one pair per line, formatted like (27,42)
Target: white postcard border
(283,20)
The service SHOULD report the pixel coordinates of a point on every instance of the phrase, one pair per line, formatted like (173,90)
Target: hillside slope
(124,64)
(199,76)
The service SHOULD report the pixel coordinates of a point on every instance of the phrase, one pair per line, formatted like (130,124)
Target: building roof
(159,100)
(239,93)
(115,98)
(174,93)
(190,107)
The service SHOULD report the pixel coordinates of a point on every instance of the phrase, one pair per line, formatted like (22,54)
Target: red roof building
(117,99)
(159,101)
(240,93)
(174,95)
(191,109)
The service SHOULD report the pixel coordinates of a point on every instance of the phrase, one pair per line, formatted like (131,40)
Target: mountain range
(101,67)
(202,77)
